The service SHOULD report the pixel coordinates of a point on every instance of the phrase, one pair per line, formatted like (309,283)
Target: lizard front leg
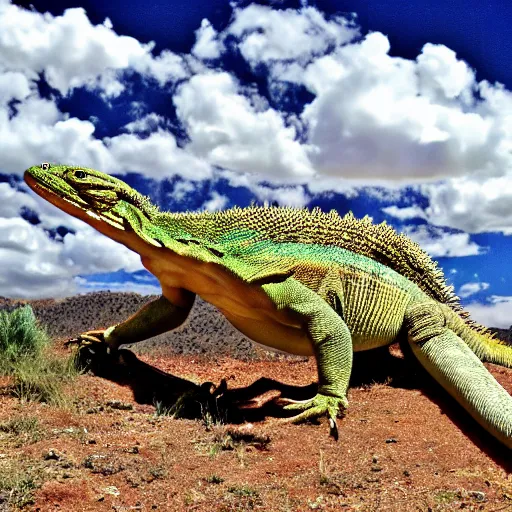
(156,317)
(332,345)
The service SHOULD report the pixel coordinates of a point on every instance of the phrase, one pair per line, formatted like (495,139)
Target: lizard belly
(247,307)
(274,334)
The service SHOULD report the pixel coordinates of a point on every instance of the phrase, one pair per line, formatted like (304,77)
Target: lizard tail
(453,364)
(480,341)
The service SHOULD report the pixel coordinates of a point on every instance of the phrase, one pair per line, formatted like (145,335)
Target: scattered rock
(99,463)
(52,454)
(122,406)
(95,410)
(477,495)
(112,490)
(90,461)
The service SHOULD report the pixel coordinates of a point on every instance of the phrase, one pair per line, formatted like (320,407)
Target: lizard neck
(190,225)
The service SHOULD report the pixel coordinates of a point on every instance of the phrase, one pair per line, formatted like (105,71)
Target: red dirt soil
(403,446)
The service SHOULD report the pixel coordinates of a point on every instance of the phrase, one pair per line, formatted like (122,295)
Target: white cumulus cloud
(439,243)
(443,77)
(207,45)
(496,314)
(157,156)
(215,202)
(473,204)
(407,212)
(373,120)
(468,289)
(268,35)
(72,52)
(227,130)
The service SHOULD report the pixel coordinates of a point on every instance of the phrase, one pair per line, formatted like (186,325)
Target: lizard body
(305,282)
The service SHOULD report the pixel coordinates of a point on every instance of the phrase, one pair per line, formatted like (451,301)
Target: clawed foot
(89,339)
(320,405)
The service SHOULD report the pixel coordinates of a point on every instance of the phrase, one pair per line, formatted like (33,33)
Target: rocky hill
(206,331)
(503,334)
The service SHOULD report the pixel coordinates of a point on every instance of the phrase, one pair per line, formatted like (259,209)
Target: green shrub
(37,374)
(20,335)
(22,430)
(17,484)
(41,379)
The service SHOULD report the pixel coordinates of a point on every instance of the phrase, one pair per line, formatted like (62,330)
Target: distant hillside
(206,331)
(503,334)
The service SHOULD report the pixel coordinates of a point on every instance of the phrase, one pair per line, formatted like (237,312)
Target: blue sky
(401,110)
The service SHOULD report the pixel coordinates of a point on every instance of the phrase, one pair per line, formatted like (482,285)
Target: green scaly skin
(303,282)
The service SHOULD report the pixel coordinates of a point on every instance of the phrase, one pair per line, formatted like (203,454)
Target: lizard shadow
(186,399)
(153,386)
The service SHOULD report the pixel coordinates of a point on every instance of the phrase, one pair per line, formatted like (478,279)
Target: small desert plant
(17,485)
(243,491)
(41,378)
(36,374)
(214,479)
(22,430)
(163,410)
(21,425)
(243,498)
(20,336)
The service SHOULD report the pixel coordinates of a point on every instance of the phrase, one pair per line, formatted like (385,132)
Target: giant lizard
(300,281)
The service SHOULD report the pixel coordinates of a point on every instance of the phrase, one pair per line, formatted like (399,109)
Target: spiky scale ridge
(379,242)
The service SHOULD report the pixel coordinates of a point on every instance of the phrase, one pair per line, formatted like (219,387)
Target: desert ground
(127,440)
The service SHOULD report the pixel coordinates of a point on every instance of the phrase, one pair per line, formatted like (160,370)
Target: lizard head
(105,202)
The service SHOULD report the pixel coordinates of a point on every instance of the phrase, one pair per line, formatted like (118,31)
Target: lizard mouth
(78,208)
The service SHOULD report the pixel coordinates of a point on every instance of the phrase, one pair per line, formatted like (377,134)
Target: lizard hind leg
(454,365)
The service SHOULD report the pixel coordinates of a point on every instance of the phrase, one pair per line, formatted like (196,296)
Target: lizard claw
(290,401)
(333,429)
(87,339)
(320,405)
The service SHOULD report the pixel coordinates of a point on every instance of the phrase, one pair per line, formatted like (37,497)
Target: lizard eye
(45,166)
(79,174)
